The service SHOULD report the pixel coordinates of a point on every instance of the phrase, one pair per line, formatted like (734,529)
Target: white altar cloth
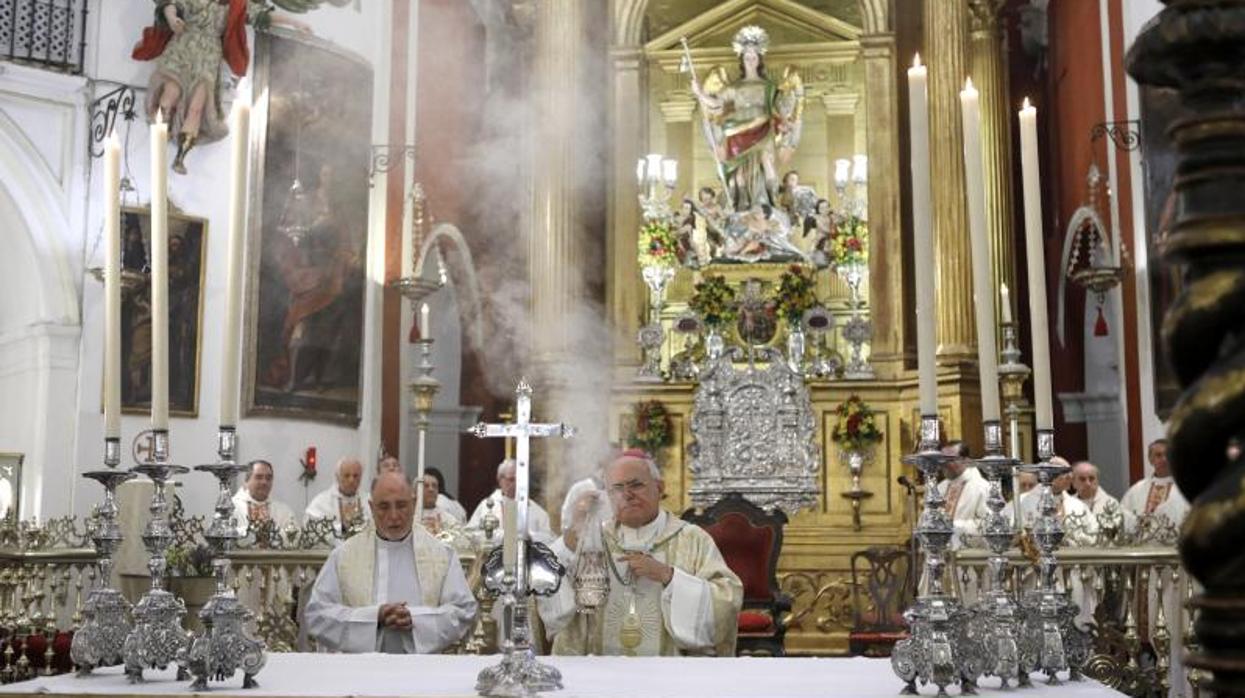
(379,675)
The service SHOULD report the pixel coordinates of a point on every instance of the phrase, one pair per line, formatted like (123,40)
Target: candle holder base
(101,640)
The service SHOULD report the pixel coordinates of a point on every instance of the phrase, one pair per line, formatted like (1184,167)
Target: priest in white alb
(670,592)
(964,492)
(537,519)
(254,501)
(1157,495)
(391,587)
(342,502)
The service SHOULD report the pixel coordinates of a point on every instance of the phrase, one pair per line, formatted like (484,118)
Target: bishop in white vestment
(670,591)
(343,502)
(392,587)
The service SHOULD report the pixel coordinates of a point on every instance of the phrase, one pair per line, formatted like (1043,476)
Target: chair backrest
(750,540)
(882,587)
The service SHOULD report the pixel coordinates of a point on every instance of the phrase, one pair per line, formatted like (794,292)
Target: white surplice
(1173,506)
(537,519)
(329,503)
(438,619)
(280,512)
(970,505)
(451,507)
(696,613)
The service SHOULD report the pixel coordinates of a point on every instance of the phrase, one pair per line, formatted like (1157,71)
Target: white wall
(1136,14)
(56,420)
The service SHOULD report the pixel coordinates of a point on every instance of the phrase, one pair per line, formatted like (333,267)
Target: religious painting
(308,230)
(187,250)
(1159,109)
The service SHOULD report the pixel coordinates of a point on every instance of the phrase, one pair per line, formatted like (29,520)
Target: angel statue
(753,127)
(753,124)
(188,41)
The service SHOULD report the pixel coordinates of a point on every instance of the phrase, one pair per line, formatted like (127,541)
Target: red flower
(853,424)
(854,244)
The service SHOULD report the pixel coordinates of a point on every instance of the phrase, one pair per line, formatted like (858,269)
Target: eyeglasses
(632,486)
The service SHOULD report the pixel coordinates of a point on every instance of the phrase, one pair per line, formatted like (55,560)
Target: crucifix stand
(535,569)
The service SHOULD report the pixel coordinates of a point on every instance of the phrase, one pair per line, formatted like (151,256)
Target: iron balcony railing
(46,33)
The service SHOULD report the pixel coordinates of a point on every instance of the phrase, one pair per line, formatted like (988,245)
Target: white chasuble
(366,572)
(697,613)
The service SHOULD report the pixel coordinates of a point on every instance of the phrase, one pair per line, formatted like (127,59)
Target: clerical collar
(348,497)
(1165,480)
(246,494)
(386,541)
(628,536)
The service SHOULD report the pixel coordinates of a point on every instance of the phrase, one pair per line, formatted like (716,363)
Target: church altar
(301,674)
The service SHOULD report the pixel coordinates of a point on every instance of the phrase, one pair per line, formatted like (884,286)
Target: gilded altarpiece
(850,70)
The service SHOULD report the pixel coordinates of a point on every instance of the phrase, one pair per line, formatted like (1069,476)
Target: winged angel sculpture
(188,41)
(753,126)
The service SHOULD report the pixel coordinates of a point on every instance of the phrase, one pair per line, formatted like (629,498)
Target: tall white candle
(923,237)
(1006,299)
(425,327)
(987,347)
(159,275)
(239,127)
(1045,418)
(509,541)
(112,287)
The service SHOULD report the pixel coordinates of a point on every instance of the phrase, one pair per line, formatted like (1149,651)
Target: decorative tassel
(1100,327)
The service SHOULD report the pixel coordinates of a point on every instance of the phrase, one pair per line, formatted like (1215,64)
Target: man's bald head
(1085,480)
(349,474)
(393,505)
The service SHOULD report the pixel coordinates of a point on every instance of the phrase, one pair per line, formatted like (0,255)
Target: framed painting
(308,230)
(187,259)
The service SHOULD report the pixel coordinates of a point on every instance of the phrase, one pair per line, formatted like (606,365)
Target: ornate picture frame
(187,265)
(307,245)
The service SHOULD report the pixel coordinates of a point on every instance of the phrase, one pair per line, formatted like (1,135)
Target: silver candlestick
(157,638)
(998,607)
(102,637)
(224,646)
(940,649)
(1056,643)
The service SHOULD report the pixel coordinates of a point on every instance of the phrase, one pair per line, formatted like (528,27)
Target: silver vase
(795,347)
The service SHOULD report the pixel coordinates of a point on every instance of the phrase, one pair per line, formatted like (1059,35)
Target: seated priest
(392,587)
(964,492)
(670,592)
(435,518)
(537,519)
(1079,523)
(1158,494)
(342,502)
(254,501)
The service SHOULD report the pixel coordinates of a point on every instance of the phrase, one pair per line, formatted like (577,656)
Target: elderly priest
(670,592)
(391,587)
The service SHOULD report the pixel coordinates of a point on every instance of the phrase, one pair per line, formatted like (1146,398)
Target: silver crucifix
(536,567)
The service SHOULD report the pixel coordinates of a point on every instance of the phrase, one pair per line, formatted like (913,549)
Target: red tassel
(1100,327)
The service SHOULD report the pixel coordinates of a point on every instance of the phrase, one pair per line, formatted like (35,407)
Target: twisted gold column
(989,74)
(946,43)
(1195,50)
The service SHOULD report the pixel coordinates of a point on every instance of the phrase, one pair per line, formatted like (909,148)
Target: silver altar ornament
(225,645)
(536,569)
(157,638)
(944,647)
(101,639)
(998,609)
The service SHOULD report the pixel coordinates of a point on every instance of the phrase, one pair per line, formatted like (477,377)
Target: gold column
(887,309)
(990,76)
(559,159)
(946,46)
(627,118)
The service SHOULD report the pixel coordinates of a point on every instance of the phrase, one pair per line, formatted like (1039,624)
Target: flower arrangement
(854,427)
(189,560)
(652,426)
(658,245)
(713,300)
(849,243)
(795,294)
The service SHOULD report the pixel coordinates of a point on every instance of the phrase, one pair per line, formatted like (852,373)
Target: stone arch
(628,18)
(38,204)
